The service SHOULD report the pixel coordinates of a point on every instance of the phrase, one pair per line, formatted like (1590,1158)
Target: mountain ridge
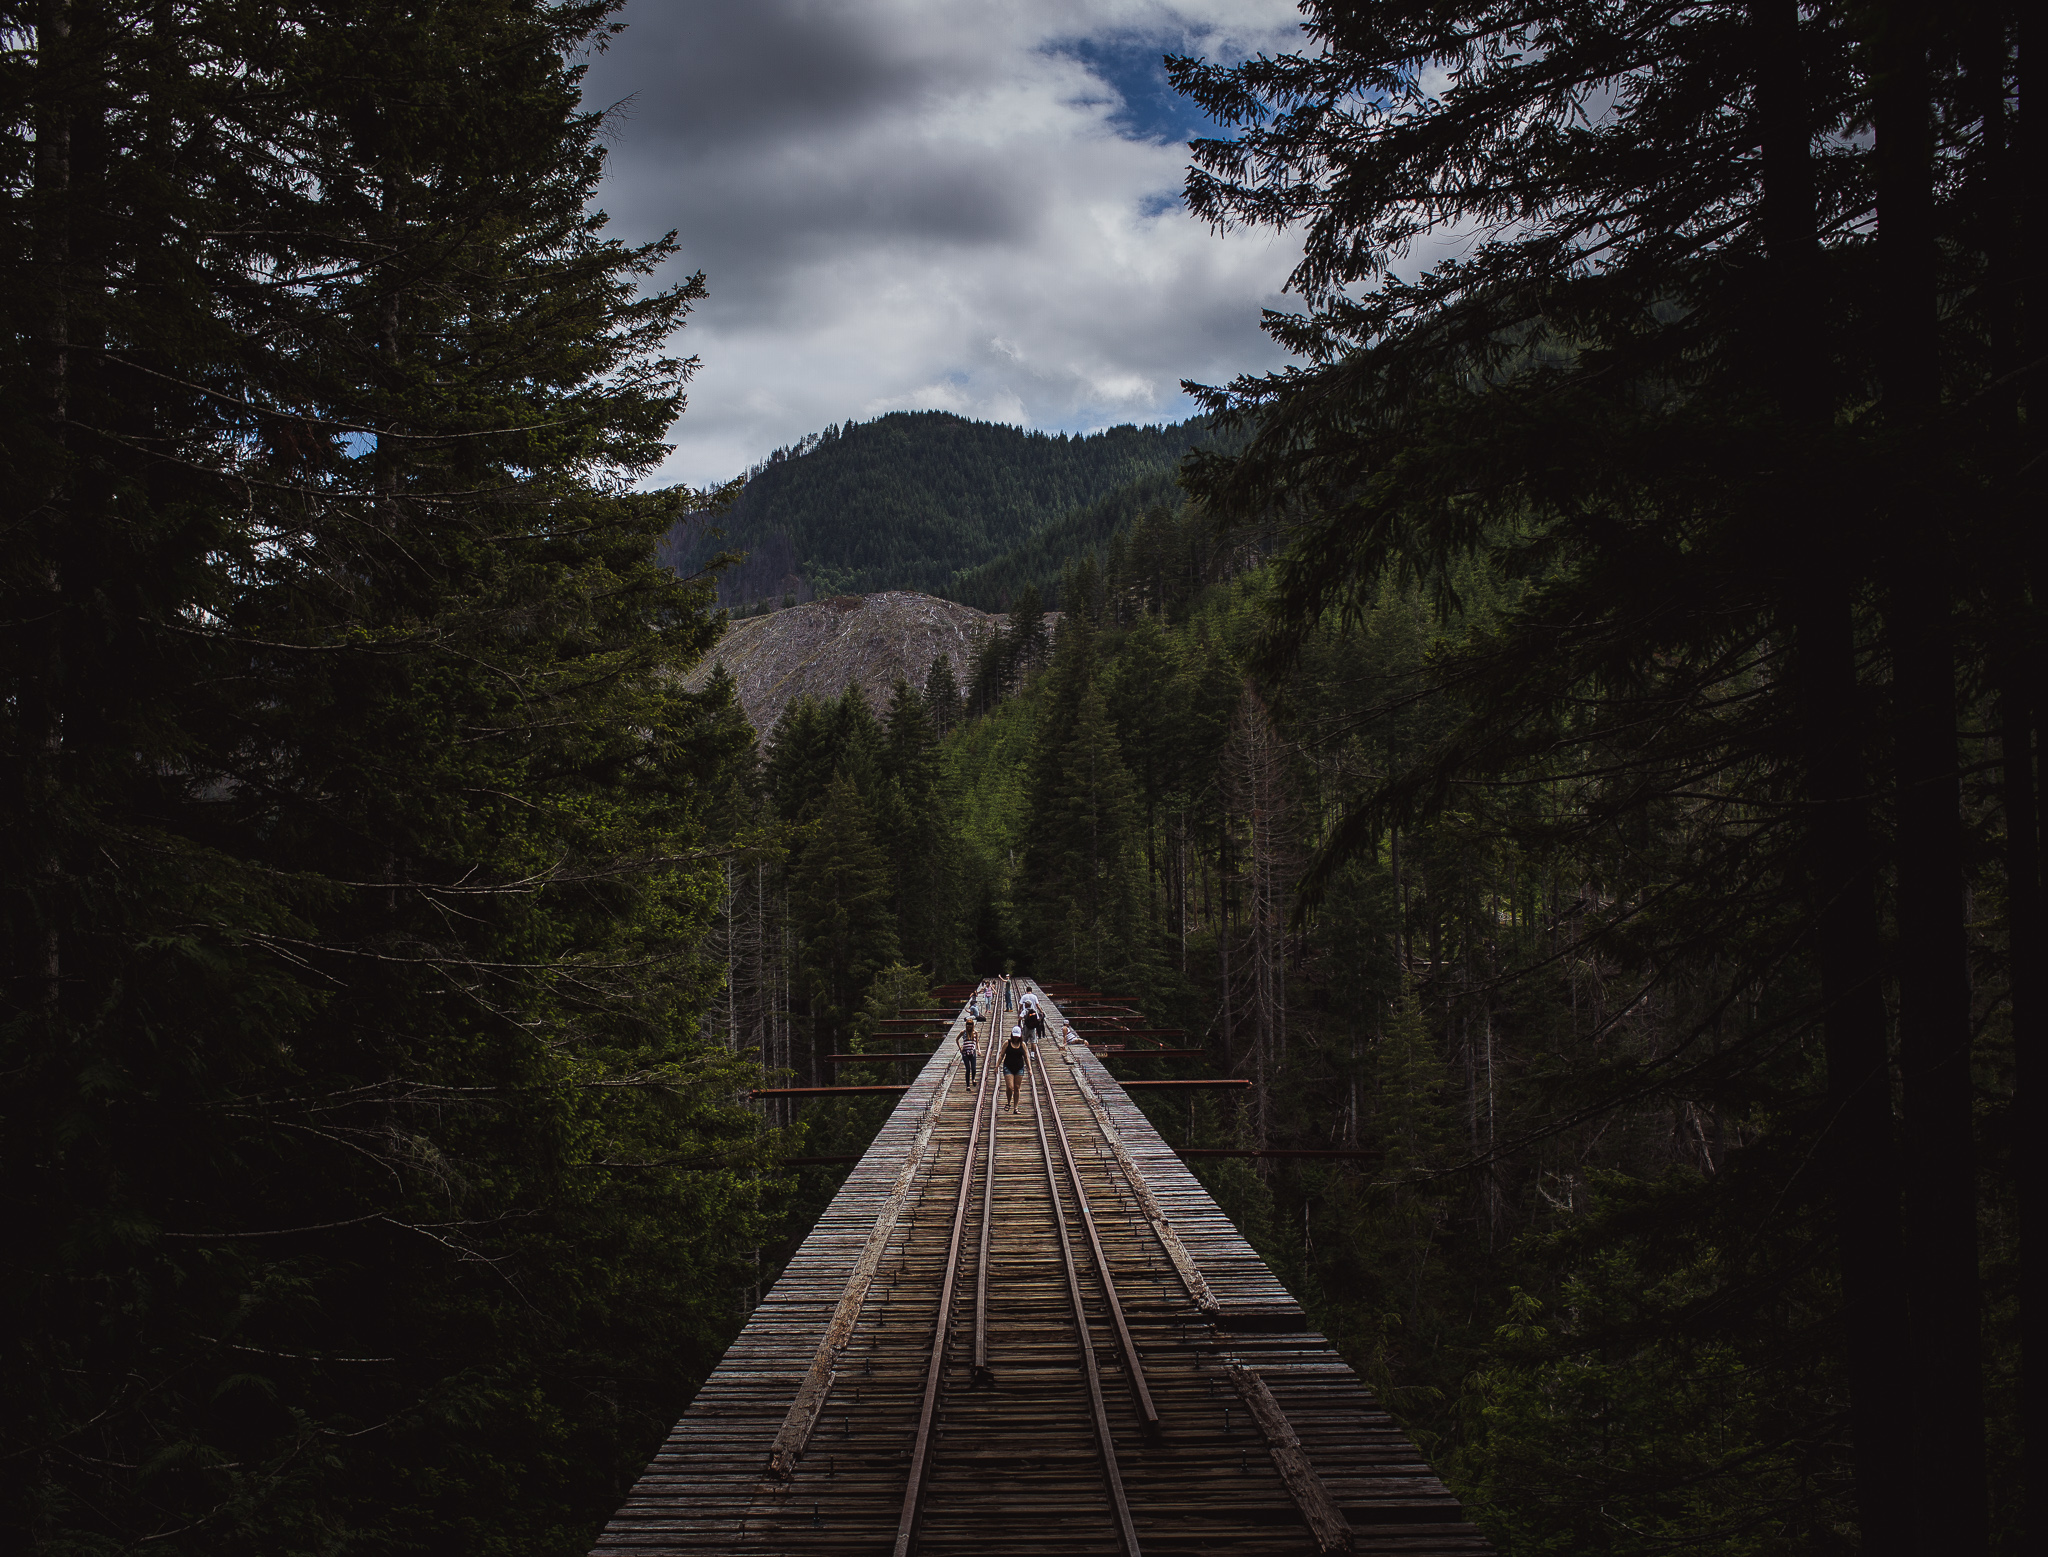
(911,501)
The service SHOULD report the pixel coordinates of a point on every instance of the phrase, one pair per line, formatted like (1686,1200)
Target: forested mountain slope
(1042,556)
(909,500)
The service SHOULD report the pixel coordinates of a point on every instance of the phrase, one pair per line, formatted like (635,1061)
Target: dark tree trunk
(2027,167)
(1861,1149)
(55,210)
(1941,1268)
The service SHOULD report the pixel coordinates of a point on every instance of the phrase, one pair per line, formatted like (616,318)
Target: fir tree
(990,678)
(1080,893)
(842,890)
(859,745)
(942,696)
(800,759)
(1665,342)
(1026,637)
(357,842)
(930,901)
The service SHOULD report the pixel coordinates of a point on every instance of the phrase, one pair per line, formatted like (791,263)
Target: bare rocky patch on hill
(823,646)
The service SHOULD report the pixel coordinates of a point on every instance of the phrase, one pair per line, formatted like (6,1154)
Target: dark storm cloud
(930,202)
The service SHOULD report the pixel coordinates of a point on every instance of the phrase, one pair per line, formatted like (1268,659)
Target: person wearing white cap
(1013,1064)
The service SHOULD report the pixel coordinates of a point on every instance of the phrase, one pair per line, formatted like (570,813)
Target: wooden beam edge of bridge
(1338,1154)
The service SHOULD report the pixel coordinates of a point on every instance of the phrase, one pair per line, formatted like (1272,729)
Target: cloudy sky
(947,204)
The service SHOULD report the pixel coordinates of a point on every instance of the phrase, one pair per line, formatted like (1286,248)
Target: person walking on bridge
(1013,1065)
(968,1050)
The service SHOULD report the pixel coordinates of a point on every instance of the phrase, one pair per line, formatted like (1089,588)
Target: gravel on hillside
(822,646)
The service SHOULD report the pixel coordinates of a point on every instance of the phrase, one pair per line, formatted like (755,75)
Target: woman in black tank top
(1013,1065)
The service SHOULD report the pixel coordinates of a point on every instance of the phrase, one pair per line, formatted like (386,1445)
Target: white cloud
(932,203)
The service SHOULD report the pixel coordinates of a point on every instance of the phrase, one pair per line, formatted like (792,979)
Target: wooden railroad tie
(832,1091)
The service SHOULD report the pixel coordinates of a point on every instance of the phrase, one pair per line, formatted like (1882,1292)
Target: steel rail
(982,1373)
(1126,1531)
(1133,1363)
(920,1452)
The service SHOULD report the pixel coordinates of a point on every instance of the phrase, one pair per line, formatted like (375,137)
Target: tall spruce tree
(354,851)
(800,758)
(942,696)
(843,900)
(1025,638)
(1081,895)
(924,849)
(1650,392)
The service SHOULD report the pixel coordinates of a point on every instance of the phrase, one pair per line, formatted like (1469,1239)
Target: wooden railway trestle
(1210,1416)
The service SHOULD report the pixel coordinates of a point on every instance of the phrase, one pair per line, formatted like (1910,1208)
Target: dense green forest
(370,1183)
(1574,735)
(911,499)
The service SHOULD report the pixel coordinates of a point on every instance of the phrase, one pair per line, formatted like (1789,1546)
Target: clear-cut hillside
(824,645)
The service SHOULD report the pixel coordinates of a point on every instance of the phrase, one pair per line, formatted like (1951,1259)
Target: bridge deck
(1015,1463)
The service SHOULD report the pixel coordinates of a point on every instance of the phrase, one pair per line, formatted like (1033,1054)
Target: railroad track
(1026,1358)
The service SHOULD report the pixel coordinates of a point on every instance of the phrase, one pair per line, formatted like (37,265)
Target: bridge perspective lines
(1031,1331)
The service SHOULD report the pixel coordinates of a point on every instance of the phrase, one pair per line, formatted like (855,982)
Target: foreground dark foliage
(368,1185)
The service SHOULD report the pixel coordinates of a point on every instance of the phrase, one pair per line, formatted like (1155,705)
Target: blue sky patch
(1134,68)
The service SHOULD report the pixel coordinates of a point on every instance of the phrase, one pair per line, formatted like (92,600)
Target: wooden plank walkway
(802,1439)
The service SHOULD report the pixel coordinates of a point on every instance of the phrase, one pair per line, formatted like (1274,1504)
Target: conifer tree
(1025,638)
(1661,367)
(358,817)
(859,745)
(921,843)
(800,758)
(1081,894)
(942,696)
(842,891)
(990,677)
(1149,697)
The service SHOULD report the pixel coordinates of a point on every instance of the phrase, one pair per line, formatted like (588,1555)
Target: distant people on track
(968,1050)
(1013,1065)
